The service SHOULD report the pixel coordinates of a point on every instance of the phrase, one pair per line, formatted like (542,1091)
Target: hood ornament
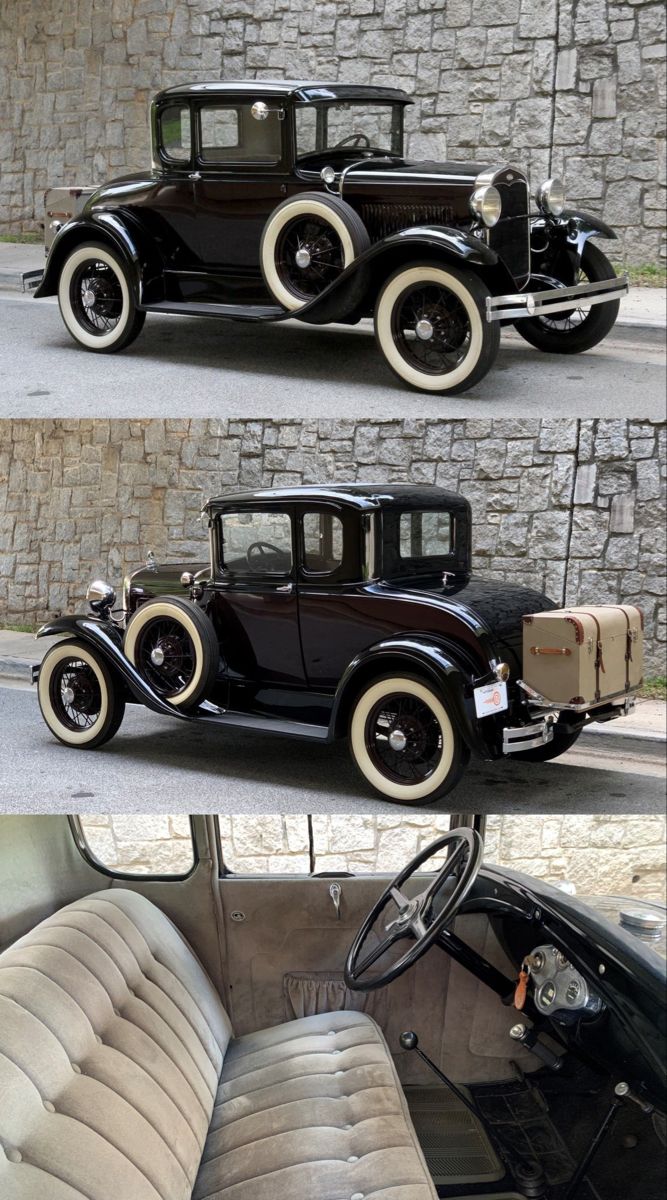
(151,561)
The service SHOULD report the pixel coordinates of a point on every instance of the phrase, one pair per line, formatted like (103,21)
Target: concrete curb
(19,670)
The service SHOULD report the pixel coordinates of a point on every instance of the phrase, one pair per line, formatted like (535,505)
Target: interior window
(425,534)
(231,134)
(175,137)
(322,542)
(140,845)
(257,543)
(298,845)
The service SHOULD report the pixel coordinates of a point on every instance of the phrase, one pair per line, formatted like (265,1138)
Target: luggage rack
(623,709)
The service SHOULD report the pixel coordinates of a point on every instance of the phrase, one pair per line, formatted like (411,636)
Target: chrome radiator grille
(382,219)
(510,238)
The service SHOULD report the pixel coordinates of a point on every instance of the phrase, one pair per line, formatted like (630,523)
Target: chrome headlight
(550,197)
(100,596)
(486,204)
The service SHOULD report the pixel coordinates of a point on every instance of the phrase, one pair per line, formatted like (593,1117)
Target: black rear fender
(451,678)
(121,233)
(107,641)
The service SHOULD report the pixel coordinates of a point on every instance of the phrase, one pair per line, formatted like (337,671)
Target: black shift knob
(409,1040)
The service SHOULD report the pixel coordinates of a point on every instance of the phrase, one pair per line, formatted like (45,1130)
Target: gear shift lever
(527,1172)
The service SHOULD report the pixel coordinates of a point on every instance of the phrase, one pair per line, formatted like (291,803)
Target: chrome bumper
(553,300)
(529,737)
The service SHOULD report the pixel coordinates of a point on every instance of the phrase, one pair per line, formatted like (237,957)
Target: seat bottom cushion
(312,1110)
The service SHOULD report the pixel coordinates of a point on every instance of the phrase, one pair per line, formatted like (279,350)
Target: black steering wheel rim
(354,139)
(411,921)
(264,550)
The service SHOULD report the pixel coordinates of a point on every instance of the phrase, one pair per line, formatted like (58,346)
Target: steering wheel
(420,919)
(260,551)
(354,139)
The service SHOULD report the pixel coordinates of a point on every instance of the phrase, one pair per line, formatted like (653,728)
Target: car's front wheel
(173,645)
(78,698)
(404,741)
(430,324)
(581,327)
(96,300)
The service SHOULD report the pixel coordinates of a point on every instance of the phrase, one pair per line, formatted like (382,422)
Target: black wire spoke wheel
(309,256)
(166,656)
(404,738)
(75,695)
(431,329)
(96,297)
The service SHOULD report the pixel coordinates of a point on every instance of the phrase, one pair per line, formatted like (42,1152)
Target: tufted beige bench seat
(120,1079)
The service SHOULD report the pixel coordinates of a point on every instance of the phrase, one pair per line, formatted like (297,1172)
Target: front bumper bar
(554,300)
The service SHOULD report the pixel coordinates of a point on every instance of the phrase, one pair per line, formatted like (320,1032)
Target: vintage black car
(323,612)
(293,199)
(156,1040)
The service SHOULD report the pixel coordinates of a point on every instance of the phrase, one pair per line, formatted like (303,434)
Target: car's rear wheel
(430,324)
(173,645)
(404,741)
(307,243)
(96,300)
(78,697)
(580,328)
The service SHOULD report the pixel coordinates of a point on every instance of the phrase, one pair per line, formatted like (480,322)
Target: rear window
(425,534)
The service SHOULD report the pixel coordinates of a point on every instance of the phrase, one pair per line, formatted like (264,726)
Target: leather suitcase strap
(628,646)
(599,662)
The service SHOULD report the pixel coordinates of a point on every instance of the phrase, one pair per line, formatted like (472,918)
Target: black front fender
(360,282)
(453,679)
(107,641)
(106,227)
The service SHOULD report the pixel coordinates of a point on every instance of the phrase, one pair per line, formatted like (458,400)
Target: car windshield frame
(323,108)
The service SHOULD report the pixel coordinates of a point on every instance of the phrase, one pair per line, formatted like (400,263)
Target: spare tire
(174,647)
(308,241)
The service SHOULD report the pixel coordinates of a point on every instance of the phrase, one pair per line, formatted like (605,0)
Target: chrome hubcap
(157,656)
(424,330)
(68,695)
(88,298)
(302,258)
(397,740)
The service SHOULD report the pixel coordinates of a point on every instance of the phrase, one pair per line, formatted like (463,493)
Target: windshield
(351,126)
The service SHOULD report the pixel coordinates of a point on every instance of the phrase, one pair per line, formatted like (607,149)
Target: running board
(233,312)
(209,715)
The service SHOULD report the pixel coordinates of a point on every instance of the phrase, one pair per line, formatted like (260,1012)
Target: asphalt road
(155,765)
(199,367)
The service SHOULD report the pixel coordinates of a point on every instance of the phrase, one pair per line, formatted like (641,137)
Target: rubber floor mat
(455,1145)
(520,1116)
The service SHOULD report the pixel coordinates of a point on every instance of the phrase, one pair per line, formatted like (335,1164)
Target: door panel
(259,632)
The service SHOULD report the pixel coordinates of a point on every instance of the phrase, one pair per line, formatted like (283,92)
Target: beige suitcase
(584,656)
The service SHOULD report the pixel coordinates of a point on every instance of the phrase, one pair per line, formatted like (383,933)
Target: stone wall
(574,87)
(576,507)
(618,855)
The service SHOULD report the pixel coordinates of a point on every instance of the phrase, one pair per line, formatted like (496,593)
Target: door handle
(336,893)
(285,589)
(194,175)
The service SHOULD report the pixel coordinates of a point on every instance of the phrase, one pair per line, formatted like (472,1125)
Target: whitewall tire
(96,300)
(430,324)
(78,698)
(404,742)
(307,242)
(173,645)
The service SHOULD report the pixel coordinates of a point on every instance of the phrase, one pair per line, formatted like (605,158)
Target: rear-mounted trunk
(580,657)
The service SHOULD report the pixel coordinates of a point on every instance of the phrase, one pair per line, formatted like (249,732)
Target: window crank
(336,892)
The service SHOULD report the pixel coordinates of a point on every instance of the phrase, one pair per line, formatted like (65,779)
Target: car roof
(362,496)
(303,91)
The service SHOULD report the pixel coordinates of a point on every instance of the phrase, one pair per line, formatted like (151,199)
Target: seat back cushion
(112,1040)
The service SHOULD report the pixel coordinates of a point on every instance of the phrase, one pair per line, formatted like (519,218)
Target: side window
(322,542)
(230,133)
(140,845)
(175,138)
(425,534)
(257,543)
